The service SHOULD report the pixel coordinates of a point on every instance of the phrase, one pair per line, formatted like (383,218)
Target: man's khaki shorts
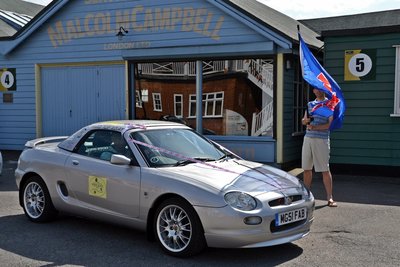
(315,153)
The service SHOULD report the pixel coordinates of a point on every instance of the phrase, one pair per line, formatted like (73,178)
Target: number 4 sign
(8,79)
(359,65)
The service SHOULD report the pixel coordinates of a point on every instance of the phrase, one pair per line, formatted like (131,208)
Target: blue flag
(316,76)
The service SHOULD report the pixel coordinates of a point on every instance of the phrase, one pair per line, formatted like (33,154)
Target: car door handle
(75,162)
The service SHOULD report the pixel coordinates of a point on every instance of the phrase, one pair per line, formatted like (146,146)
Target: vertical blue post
(199,96)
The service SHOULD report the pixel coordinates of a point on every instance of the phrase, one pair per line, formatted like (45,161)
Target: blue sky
(307,9)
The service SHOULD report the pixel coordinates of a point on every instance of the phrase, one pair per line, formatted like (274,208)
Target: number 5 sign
(8,79)
(359,65)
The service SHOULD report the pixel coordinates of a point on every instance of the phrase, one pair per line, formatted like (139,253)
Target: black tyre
(36,200)
(178,229)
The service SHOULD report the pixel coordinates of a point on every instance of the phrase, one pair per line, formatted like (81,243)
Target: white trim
(156,99)
(38,98)
(181,103)
(206,101)
(396,106)
(145,97)
(279,108)
(138,102)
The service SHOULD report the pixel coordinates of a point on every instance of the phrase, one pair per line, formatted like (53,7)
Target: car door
(100,185)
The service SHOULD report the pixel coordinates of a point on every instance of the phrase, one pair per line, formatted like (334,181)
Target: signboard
(8,80)
(235,124)
(359,64)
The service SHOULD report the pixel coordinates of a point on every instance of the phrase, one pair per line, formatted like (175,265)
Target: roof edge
(32,25)
(361,31)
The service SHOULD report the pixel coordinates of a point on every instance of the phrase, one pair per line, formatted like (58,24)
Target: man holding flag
(323,114)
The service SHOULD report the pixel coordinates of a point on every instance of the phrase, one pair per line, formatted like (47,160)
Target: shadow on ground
(360,189)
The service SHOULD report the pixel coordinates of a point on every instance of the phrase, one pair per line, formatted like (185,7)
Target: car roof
(121,126)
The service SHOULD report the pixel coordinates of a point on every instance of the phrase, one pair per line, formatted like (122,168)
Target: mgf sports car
(163,177)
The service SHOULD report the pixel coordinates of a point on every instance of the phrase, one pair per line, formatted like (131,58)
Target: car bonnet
(251,177)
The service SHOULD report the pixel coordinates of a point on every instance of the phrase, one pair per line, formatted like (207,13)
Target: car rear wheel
(36,200)
(178,228)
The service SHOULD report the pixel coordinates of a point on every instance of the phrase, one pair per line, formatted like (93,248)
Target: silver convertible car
(163,177)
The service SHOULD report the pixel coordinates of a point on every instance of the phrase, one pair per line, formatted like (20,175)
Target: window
(140,98)
(167,147)
(396,108)
(157,105)
(192,105)
(212,105)
(301,98)
(103,144)
(237,96)
(178,105)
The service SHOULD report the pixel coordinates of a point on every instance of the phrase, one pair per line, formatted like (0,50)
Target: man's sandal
(332,204)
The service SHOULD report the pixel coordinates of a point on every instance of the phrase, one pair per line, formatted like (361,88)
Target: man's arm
(305,120)
(321,127)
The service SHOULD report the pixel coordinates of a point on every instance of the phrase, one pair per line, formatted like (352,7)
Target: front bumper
(224,227)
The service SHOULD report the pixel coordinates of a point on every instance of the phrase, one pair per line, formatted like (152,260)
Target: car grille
(282,201)
(284,227)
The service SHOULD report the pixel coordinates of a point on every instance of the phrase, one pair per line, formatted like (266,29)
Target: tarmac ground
(362,231)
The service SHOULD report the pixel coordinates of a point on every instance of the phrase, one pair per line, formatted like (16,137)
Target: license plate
(290,216)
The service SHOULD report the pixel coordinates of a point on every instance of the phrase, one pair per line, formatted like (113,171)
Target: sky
(309,9)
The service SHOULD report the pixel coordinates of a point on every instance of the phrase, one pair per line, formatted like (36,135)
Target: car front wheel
(178,228)
(36,200)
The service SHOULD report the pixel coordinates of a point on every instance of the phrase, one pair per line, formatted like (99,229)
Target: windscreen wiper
(193,160)
(225,157)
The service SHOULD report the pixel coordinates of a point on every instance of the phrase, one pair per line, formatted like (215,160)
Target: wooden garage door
(75,96)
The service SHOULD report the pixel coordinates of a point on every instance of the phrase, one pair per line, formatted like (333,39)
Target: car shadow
(78,241)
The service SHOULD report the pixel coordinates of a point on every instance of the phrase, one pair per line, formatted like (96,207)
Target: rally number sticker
(98,186)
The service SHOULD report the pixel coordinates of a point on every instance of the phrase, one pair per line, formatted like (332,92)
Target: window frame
(206,100)
(396,102)
(138,101)
(157,102)
(143,99)
(176,103)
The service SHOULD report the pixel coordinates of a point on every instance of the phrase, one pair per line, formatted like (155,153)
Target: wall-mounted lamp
(121,33)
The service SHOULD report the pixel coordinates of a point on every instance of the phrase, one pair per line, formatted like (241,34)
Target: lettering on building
(138,19)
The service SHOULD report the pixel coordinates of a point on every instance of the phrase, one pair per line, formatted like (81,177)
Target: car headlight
(240,201)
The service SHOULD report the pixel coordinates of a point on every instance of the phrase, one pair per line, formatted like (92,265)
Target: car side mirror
(120,160)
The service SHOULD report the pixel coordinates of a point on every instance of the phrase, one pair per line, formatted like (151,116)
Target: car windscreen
(175,147)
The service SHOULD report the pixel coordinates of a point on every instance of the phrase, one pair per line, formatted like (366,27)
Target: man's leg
(307,162)
(307,178)
(327,179)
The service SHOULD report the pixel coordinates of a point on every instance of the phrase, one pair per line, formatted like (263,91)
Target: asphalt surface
(363,231)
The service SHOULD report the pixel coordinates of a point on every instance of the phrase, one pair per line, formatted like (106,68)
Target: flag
(314,74)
